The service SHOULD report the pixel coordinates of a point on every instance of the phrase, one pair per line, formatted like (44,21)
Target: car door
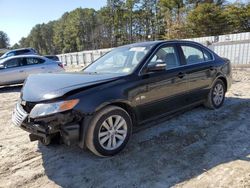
(200,70)
(165,91)
(34,65)
(12,72)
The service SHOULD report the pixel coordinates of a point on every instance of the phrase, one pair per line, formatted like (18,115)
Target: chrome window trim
(191,43)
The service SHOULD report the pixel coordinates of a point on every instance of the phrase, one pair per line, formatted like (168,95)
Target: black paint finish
(146,95)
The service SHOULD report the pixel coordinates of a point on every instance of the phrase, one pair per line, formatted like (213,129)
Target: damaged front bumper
(65,125)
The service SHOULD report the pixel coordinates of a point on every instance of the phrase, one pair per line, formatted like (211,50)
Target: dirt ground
(200,148)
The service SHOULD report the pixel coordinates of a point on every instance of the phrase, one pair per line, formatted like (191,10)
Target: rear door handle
(181,75)
(42,67)
(21,71)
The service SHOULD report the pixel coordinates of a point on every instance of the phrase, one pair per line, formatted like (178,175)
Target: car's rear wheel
(109,131)
(216,95)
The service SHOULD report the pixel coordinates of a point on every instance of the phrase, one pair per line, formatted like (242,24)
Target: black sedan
(100,106)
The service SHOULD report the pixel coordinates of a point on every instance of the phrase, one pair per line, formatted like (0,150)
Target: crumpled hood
(42,87)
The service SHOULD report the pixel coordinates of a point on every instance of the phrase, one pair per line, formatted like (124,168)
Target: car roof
(19,49)
(153,43)
(140,44)
(50,55)
(19,56)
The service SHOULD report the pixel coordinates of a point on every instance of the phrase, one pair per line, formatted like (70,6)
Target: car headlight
(40,110)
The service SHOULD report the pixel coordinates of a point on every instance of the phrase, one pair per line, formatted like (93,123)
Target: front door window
(12,63)
(165,55)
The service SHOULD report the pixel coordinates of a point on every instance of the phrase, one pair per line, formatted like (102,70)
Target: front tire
(109,131)
(216,95)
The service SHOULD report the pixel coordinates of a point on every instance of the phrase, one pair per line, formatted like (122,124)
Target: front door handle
(181,75)
(21,71)
(42,67)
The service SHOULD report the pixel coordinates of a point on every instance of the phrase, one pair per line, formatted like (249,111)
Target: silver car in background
(15,69)
(21,51)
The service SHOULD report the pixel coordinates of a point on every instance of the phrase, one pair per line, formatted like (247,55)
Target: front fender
(87,118)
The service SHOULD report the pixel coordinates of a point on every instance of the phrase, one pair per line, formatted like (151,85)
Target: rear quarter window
(54,58)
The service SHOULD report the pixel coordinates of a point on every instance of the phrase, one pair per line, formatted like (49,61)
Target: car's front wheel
(109,131)
(216,95)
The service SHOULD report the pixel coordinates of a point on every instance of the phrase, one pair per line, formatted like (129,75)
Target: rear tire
(109,131)
(216,95)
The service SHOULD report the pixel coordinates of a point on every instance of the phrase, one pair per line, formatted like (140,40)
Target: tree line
(4,40)
(126,21)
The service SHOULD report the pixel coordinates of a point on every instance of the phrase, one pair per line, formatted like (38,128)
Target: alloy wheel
(218,94)
(112,132)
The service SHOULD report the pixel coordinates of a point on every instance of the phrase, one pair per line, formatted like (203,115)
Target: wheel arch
(221,77)
(85,124)
(125,106)
(224,80)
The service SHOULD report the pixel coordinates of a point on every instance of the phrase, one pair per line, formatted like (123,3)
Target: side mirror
(157,67)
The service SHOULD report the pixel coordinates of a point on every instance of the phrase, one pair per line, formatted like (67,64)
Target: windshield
(120,60)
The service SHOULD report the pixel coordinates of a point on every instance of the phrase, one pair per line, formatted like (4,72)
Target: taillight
(60,65)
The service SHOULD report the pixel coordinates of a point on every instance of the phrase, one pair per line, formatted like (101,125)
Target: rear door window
(192,54)
(34,61)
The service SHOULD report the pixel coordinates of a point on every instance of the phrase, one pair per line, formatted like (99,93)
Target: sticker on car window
(126,70)
(137,49)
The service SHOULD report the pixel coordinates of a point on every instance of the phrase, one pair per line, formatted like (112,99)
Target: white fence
(235,47)
(82,58)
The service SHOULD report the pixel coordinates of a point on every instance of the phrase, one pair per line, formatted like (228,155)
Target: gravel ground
(200,148)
